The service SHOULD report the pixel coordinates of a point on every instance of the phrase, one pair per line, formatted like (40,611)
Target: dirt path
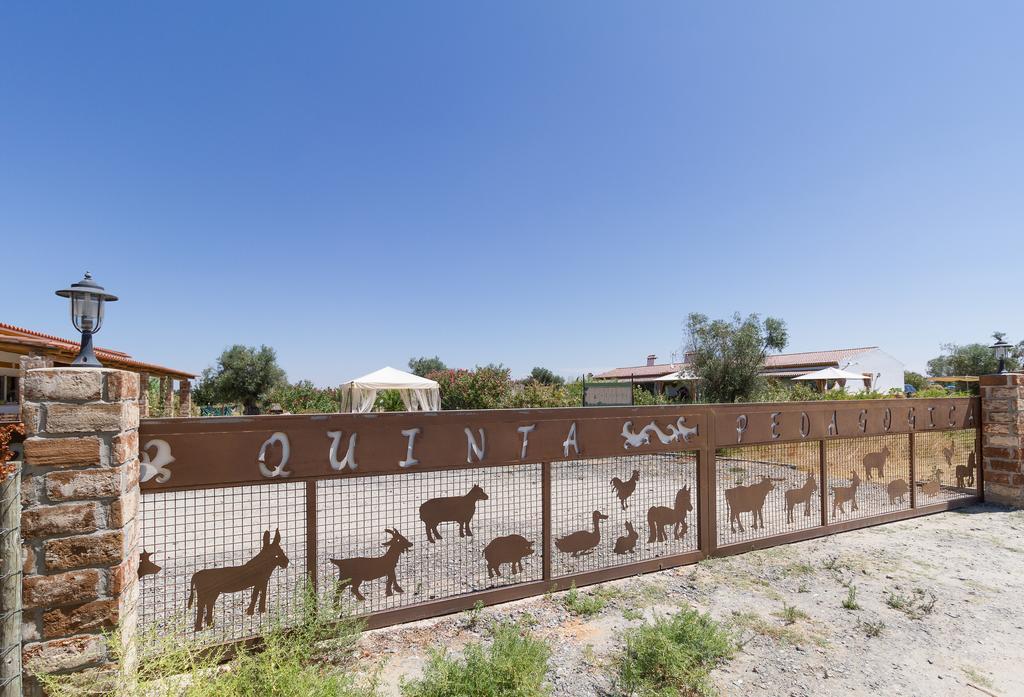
(969,641)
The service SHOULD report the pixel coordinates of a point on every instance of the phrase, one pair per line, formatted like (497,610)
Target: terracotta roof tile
(12,334)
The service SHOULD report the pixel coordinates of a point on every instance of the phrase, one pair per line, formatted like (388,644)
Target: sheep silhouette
(451,509)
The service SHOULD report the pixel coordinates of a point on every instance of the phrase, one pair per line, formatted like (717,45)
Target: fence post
(1002,425)
(823,479)
(10,581)
(913,470)
(545,486)
(707,482)
(80,484)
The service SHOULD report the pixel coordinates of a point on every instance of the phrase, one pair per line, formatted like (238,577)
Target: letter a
(570,440)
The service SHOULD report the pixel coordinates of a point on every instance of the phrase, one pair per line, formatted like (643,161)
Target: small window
(8,389)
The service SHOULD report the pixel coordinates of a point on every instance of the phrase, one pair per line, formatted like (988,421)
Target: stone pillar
(143,395)
(80,496)
(1002,418)
(167,390)
(184,398)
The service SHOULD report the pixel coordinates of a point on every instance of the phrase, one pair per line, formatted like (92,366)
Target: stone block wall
(80,496)
(1002,408)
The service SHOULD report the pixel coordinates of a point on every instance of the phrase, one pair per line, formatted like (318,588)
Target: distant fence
(428,513)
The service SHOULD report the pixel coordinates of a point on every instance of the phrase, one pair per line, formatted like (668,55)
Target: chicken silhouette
(625,489)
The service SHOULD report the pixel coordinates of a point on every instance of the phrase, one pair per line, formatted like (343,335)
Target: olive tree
(727,355)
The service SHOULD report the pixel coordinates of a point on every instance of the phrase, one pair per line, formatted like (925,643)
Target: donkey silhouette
(208,584)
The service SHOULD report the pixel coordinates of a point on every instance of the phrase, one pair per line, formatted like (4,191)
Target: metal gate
(421,514)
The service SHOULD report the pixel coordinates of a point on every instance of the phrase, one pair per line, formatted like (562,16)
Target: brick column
(1002,418)
(167,387)
(184,398)
(143,395)
(80,491)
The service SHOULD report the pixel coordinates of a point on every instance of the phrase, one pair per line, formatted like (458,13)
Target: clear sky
(532,183)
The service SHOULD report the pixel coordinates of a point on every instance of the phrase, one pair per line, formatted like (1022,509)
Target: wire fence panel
(947,466)
(619,510)
(766,490)
(868,476)
(404,519)
(185,532)
(502,510)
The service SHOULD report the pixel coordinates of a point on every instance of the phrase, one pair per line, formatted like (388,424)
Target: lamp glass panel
(86,311)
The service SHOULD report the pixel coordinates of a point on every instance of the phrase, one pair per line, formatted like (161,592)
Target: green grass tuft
(674,655)
(850,602)
(513,666)
(584,604)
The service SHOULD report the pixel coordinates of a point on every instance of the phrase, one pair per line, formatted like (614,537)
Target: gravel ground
(970,641)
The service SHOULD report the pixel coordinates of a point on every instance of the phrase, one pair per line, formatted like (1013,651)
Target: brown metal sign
(751,424)
(190,453)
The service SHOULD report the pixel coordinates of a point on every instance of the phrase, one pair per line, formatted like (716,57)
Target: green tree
(728,355)
(243,375)
(915,380)
(972,359)
(423,366)
(544,376)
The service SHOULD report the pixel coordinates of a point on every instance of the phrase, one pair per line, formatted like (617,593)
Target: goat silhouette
(625,489)
(626,543)
(876,461)
(842,494)
(355,570)
(748,499)
(208,584)
(800,495)
(451,509)
(965,473)
(658,517)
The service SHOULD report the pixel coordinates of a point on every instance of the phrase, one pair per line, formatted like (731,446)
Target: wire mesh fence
(465,529)
(766,490)
(620,510)
(220,562)
(868,476)
(186,533)
(946,466)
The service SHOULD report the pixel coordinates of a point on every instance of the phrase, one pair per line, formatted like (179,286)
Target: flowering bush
(488,387)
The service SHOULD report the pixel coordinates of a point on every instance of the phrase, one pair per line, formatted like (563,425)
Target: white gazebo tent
(822,377)
(418,394)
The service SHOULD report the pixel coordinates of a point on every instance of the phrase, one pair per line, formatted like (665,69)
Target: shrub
(513,666)
(488,387)
(674,655)
(303,397)
(291,662)
(643,398)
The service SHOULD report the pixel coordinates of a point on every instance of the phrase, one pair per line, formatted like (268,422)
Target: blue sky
(552,184)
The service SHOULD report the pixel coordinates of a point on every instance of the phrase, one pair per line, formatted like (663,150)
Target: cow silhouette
(208,584)
(748,499)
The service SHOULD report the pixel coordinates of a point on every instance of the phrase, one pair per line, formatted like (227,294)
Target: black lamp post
(1001,349)
(87,298)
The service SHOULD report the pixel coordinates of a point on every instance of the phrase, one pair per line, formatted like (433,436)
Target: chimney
(651,358)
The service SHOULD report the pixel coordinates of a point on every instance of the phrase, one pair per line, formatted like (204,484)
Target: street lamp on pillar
(1001,349)
(87,299)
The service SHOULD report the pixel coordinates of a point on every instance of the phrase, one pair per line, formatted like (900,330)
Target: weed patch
(871,628)
(790,614)
(514,666)
(584,604)
(916,605)
(674,655)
